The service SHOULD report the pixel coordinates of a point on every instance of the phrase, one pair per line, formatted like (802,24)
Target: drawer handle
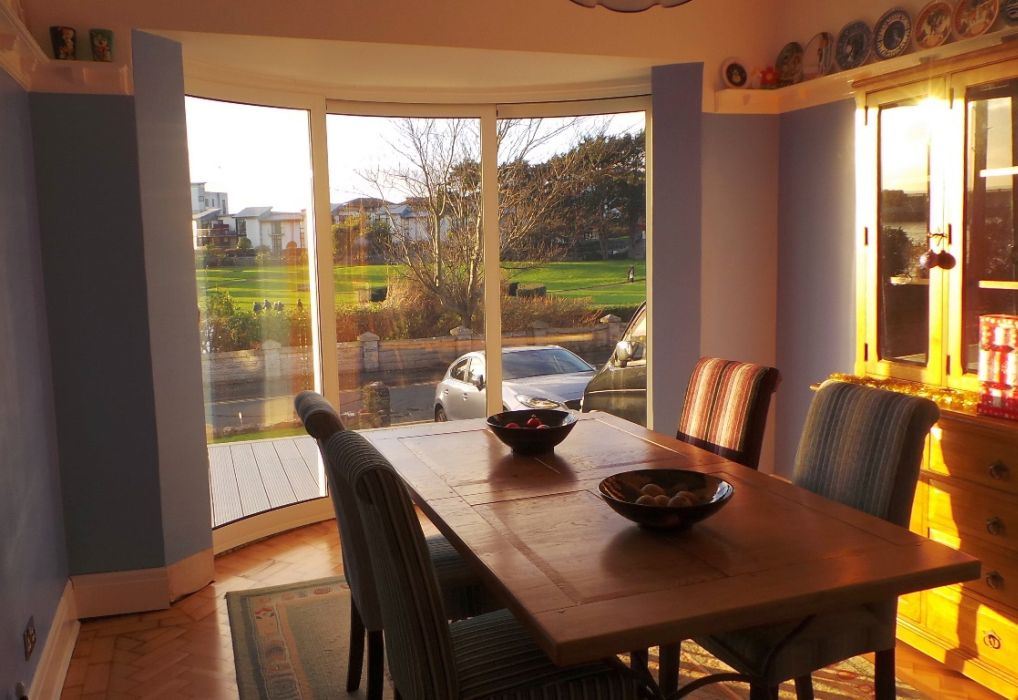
(999,471)
(994,525)
(991,640)
(994,580)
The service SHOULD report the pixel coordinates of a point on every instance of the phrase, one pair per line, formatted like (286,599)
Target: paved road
(409,403)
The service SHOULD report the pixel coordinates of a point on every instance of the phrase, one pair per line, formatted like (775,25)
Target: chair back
(863,446)
(417,638)
(317,414)
(322,423)
(725,411)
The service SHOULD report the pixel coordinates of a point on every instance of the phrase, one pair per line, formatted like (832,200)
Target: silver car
(546,376)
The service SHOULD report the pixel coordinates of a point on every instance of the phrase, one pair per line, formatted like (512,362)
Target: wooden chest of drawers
(967,497)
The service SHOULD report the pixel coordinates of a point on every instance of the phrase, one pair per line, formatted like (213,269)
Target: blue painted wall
(676,231)
(33,561)
(86,161)
(164,177)
(816,260)
(739,270)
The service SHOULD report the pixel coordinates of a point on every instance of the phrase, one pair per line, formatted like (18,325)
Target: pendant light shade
(630,5)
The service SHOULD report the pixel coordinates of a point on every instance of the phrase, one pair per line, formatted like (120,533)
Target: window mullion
(492,272)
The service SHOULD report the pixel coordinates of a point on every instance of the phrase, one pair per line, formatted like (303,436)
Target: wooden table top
(590,583)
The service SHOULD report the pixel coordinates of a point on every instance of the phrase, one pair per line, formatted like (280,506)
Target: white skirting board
(256,527)
(121,592)
(48,681)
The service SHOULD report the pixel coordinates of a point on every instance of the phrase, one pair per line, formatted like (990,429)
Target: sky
(260,156)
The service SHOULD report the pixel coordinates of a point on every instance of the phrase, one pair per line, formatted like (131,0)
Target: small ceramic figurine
(64,42)
(768,78)
(102,44)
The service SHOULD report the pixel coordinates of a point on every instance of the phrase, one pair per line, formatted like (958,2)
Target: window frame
(322,292)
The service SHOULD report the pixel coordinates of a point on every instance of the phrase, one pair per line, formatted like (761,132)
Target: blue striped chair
(725,409)
(862,447)
(462,592)
(488,656)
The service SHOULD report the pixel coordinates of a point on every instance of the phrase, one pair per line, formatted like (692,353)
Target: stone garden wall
(369,358)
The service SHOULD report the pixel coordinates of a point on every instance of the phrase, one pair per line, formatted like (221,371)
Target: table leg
(668,668)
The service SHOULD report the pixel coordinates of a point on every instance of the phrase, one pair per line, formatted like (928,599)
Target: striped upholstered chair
(462,592)
(488,656)
(862,447)
(725,410)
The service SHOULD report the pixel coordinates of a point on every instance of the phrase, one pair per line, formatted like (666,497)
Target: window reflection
(904,221)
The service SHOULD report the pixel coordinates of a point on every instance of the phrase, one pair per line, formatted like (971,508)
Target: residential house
(763,242)
(203,199)
(275,230)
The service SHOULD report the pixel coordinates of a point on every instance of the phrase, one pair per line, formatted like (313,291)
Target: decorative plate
(789,64)
(818,57)
(734,73)
(855,43)
(933,24)
(1010,10)
(893,34)
(974,17)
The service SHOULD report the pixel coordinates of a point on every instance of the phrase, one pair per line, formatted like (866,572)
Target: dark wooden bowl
(620,491)
(532,440)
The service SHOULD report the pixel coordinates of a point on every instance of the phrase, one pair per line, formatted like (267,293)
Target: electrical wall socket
(29,638)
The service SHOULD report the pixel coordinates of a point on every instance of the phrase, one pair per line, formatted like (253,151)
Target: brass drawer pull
(994,525)
(994,580)
(991,640)
(999,471)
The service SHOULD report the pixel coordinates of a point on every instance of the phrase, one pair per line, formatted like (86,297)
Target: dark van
(620,387)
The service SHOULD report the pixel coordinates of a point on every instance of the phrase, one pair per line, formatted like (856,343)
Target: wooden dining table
(589,584)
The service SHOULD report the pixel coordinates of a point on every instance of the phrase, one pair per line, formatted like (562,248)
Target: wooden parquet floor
(186,651)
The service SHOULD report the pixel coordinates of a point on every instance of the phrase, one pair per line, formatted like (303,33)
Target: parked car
(546,376)
(620,387)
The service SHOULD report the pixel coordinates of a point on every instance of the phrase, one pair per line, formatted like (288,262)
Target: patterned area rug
(290,642)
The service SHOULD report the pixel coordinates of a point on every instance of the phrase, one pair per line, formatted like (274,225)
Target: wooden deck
(251,477)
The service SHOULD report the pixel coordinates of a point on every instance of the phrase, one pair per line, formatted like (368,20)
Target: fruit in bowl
(532,430)
(665,498)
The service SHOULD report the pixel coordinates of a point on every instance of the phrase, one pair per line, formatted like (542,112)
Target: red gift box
(998,365)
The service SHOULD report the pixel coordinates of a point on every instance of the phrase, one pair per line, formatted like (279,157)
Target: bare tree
(436,234)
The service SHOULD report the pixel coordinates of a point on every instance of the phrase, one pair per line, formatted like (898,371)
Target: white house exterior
(400,216)
(275,230)
(202,200)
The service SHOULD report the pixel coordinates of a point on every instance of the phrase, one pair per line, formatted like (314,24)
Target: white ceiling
(355,70)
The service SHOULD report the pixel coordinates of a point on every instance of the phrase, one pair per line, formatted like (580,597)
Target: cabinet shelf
(1009,285)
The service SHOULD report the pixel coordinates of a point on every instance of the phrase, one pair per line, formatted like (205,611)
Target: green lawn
(603,281)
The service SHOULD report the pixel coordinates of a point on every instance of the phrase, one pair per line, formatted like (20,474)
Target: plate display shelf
(839,85)
(26,61)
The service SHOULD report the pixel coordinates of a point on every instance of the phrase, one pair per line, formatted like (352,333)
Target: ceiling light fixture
(630,5)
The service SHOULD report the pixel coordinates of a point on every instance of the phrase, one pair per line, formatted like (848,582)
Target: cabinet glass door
(907,218)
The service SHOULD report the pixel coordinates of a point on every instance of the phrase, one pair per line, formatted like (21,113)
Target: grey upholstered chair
(863,447)
(488,656)
(463,593)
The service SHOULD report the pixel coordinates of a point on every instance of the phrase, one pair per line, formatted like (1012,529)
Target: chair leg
(638,659)
(376,665)
(883,675)
(759,691)
(668,668)
(804,688)
(356,659)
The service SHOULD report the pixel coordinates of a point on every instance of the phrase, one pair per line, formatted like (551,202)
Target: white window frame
(322,283)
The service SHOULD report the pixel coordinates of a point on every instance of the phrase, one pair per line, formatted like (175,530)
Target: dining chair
(462,592)
(862,447)
(725,409)
(487,656)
